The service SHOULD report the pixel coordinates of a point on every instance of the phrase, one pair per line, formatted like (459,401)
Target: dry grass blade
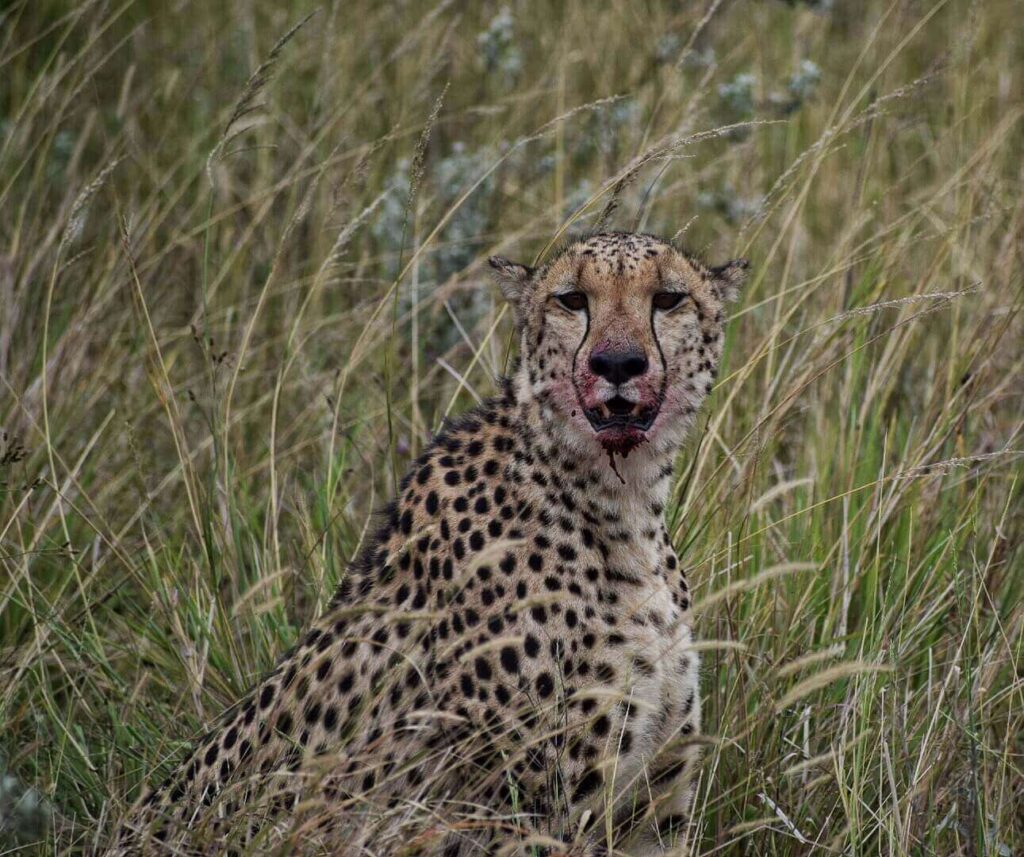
(247,102)
(825,678)
(753,582)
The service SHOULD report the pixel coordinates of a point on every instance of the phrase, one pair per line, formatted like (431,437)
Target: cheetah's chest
(657,661)
(660,659)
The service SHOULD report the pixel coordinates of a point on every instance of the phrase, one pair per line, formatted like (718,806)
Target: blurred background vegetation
(241,283)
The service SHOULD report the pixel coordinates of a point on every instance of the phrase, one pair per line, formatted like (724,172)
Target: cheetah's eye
(668,300)
(572,301)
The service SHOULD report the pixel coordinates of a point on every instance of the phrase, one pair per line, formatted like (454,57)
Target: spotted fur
(513,646)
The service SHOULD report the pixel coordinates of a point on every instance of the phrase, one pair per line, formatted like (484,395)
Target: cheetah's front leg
(662,826)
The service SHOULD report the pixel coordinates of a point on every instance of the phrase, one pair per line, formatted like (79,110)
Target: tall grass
(241,284)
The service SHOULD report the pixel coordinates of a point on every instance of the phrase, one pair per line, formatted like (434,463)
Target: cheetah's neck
(630,490)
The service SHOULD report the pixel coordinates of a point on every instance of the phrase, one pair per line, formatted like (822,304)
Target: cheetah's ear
(513,279)
(727,278)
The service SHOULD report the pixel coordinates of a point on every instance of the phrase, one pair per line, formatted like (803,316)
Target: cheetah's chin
(621,440)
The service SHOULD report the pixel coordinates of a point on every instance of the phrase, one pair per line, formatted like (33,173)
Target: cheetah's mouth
(621,424)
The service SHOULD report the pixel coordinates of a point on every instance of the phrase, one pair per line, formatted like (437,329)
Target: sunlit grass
(241,283)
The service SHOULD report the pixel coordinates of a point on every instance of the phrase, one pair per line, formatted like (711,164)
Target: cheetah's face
(621,336)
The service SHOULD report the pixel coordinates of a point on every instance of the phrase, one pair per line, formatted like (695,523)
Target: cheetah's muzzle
(619,412)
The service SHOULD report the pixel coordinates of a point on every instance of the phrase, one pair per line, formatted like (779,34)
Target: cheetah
(511,654)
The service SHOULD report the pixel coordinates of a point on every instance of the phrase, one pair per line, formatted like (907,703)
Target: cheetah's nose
(618,366)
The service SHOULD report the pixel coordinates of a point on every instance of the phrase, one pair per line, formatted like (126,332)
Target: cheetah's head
(621,336)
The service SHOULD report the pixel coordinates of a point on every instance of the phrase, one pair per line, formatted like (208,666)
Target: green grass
(220,345)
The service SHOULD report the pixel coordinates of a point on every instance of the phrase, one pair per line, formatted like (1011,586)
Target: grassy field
(242,281)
